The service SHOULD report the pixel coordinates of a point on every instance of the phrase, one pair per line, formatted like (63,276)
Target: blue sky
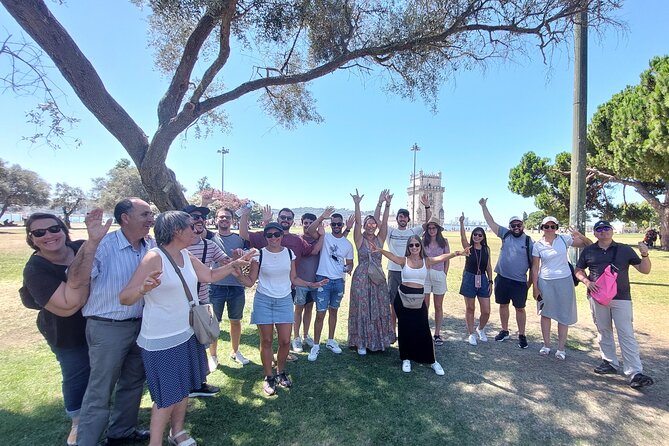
(485,121)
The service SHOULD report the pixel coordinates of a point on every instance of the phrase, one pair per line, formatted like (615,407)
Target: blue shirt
(115,263)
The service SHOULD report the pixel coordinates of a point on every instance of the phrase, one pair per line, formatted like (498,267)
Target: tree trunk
(162,186)
(664,228)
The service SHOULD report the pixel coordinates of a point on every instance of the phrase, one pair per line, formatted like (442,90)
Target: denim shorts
(435,282)
(272,310)
(233,296)
(330,294)
(467,288)
(304,295)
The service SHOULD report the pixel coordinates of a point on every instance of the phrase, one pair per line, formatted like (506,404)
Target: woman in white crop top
(174,361)
(413,328)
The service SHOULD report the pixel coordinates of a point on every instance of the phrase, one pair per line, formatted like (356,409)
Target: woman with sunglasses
(435,244)
(55,282)
(553,286)
(273,303)
(369,326)
(413,328)
(476,281)
(174,361)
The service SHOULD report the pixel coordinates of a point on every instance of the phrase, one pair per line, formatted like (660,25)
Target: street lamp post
(223,151)
(414,149)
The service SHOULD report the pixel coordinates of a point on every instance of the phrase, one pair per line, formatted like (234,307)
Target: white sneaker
(238,357)
(362,351)
(332,345)
(213,363)
(297,345)
(472,339)
(309,341)
(482,336)
(313,354)
(438,369)
(406,366)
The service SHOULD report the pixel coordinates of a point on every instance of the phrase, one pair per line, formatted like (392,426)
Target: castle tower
(430,184)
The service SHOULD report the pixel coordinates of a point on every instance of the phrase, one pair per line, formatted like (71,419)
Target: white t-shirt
(554,261)
(333,257)
(397,243)
(274,274)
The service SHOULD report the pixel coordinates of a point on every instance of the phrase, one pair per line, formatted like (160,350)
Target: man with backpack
(511,282)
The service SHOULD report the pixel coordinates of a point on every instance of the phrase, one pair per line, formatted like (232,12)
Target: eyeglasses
(336,225)
(285,217)
(477,235)
(516,225)
(274,234)
(55,229)
(414,245)
(549,227)
(197,216)
(597,230)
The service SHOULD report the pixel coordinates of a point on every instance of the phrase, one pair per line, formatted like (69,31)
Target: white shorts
(435,282)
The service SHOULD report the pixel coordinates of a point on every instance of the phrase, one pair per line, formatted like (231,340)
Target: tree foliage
(21,187)
(418,45)
(68,199)
(122,181)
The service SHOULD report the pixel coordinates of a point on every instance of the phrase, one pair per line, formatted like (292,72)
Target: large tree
(21,187)
(418,44)
(68,199)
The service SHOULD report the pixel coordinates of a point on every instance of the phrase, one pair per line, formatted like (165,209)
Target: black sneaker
(503,335)
(206,390)
(283,380)
(522,341)
(269,386)
(640,380)
(605,368)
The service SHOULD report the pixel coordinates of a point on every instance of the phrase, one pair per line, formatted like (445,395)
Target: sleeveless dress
(369,323)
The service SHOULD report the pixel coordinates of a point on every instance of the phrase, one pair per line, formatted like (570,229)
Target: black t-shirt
(41,278)
(596,259)
(477,260)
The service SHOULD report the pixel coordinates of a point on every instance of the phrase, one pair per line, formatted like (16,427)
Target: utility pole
(414,149)
(223,151)
(579,126)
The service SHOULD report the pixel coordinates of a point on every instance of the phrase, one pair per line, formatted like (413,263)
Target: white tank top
(412,275)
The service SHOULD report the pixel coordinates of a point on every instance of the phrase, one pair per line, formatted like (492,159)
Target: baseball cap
(601,224)
(549,218)
(515,218)
(403,211)
(192,208)
(272,225)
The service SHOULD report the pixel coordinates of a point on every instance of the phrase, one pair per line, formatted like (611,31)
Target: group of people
(115,309)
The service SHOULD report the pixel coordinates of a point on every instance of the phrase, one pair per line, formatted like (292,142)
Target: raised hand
(327,213)
(461,219)
(349,221)
(389,197)
(266,213)
(483,202)
(357,198)
(425,199)
(96,230)
(643,248)
(382,196)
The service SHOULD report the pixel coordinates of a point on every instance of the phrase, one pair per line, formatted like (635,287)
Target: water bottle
(249,204)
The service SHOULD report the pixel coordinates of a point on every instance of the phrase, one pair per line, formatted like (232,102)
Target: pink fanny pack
(607,283)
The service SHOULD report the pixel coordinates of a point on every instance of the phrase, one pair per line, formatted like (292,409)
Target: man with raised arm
(511,282)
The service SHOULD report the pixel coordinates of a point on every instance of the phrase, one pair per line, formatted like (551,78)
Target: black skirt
(413,330)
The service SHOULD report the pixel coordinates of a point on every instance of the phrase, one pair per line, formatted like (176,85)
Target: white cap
(549,218)
(515,218)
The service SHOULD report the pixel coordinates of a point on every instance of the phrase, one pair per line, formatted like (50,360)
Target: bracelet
(644,256)
(427,207)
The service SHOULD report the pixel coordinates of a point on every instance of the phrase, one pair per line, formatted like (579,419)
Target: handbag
(571,266)
(607,283)
(413,301)
(374,271)
(201,317)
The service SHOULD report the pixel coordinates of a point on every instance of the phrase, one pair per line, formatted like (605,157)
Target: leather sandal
(172,439)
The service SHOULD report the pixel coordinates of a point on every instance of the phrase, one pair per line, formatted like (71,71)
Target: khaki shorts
(435,282)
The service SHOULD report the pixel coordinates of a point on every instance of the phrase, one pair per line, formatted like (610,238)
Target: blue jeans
(233,296)
(75,369)
(330,294)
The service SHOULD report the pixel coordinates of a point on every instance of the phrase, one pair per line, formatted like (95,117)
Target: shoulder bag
(374,271)
(607,282)
(201,317)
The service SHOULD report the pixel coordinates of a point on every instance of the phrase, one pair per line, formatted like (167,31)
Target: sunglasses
(55,229)
(516,225)
(224,217)
(336,225)
(275,234)
(477,235)
(197,217)
(549,227)
(414,245)
(285,217)
(597,230)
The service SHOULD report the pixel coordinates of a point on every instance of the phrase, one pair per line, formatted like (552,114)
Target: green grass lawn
(492,394)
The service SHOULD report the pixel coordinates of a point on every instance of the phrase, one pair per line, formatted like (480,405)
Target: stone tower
(430,184)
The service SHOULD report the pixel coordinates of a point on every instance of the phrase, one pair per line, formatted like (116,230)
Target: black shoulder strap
(290,254)
(613,260)
(527,249)
(260,259)
(204,259)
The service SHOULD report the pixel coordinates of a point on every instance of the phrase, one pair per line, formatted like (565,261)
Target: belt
(104,319)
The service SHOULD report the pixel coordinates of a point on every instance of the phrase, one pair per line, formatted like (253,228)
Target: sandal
(561,355)
(172,439)
(438,340)
(544,351)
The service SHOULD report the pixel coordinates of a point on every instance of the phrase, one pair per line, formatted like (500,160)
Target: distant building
(430,184)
